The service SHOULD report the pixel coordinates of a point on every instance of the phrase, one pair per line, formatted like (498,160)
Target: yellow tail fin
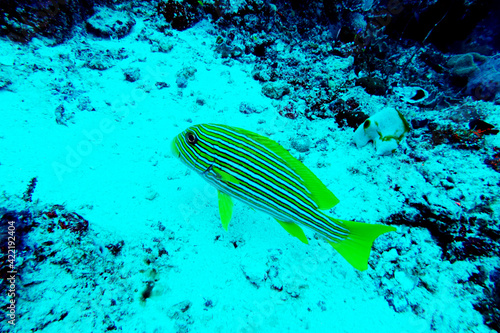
(357,246)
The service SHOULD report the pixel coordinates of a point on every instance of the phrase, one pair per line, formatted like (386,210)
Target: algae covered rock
(275,90)
(385,129)
(107,23)
(485,83)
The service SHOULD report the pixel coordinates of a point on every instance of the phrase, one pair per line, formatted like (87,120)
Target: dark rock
(345,116)
(433,59)
(416,124)
(180,14)
(109,323)
(208,303)
(182,82)
(482,127)
(259,50)
(438,224)
(115,248)
(162,85)
(162,252)
(372,85)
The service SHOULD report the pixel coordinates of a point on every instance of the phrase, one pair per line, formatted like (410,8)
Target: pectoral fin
(294,230)
(225,209)
(225,177)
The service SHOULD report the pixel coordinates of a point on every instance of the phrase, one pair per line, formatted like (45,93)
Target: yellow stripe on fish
(261,173)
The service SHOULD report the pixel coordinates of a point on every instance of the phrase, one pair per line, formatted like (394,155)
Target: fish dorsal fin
(225,209)
(294,230)
(319,193)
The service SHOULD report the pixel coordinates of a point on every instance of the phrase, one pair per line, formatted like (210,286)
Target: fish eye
(191,138)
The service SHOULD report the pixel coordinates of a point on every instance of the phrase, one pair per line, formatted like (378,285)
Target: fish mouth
(173,148)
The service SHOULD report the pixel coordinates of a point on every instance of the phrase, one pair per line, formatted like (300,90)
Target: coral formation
(484,84)
(465,65)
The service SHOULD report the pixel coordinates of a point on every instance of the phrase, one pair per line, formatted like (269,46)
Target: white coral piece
(385,129)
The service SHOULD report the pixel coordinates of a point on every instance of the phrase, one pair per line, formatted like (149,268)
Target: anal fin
(294,230)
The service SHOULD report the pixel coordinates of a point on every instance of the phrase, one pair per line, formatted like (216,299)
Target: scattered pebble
(63,115)
(301,144)
(132,74)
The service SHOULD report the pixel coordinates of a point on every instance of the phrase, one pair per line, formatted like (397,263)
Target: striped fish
(261,173)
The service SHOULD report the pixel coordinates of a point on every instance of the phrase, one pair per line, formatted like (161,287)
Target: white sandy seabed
(111,164)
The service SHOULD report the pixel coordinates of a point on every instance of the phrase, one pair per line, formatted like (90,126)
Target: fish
(258,171)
